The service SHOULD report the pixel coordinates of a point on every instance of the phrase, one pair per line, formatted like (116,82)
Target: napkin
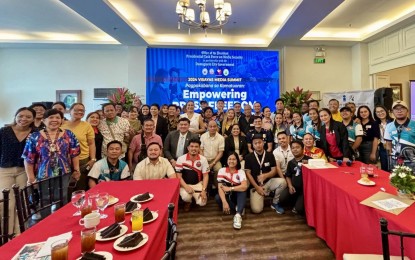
(46,249)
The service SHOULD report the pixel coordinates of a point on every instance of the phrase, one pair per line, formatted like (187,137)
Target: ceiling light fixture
(187,15)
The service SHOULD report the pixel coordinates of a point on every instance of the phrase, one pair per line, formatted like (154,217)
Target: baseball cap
(345,108)
(399,103)
(257,136)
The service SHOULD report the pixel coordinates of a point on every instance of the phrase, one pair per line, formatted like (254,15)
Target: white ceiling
(259,23)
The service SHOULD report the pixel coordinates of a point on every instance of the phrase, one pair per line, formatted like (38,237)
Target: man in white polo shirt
(154,166)
(283,152)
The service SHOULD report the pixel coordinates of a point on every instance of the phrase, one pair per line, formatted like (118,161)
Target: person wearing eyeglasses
(86,137)
(400,136)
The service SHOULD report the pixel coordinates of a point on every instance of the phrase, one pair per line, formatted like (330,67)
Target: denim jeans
(234,199)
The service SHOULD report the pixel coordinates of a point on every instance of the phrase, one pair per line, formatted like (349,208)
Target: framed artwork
(69,97)
(397,91)
(315,95)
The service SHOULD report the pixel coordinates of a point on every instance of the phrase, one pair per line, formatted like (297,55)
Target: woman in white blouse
(196,120)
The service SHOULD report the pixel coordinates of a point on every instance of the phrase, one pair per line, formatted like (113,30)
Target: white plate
(155,216)
(133,198)
(112,201)
(123,249)
(123,230)
(371,183)
(107,255)
(138,207)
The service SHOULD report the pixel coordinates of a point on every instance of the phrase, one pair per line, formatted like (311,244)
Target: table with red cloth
(332,203)
(165,191)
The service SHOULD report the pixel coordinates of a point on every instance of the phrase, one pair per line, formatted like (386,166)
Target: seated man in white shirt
(154,166)
(193,171)
(109,168)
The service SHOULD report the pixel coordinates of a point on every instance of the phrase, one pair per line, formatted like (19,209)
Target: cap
(399,103)
(257,136)
(345,108)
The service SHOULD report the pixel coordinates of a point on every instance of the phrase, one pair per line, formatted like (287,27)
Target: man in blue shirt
(400,136)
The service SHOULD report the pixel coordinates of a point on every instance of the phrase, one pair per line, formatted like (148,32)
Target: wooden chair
(38,198)
(385,245)
(171,238)
(4,233)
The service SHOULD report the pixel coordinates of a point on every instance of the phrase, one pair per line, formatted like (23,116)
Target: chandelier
(187,15)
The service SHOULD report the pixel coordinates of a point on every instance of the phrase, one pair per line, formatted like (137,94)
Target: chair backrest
(37,197)
(171,238)
(385,238)
(4,233)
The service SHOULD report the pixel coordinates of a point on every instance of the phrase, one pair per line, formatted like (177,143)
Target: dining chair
(4,233)
(385,233)
(172,233)
(38,198)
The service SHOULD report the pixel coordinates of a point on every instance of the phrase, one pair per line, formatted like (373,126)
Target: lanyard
(260,162)
(285,155)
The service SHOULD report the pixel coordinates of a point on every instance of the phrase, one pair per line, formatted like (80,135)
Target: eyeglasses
(79,111)
(399,109)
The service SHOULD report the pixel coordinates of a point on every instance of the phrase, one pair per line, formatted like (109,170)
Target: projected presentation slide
(179,75)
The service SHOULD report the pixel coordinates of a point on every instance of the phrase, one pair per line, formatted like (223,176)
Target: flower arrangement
(403,179)
(295,98)
(122,96)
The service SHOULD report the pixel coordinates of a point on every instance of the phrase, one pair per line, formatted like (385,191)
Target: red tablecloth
(165,191)
(332,202)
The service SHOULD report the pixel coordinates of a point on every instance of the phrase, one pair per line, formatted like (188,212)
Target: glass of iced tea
(119,211)
(86,207)
(88,240)
(60,250)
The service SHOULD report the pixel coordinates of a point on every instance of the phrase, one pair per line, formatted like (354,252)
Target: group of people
(234,154)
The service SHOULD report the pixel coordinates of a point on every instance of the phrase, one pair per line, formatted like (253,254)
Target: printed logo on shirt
(237,177)
(198,164)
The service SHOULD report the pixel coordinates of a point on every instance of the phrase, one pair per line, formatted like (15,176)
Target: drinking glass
(93,197)
(86,207)
(59,250)
(137,220)
(88,240)
(119,211)
(78,198)
(102,202)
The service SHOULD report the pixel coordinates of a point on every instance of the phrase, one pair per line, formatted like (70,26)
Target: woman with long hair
(12,142)
(228,121)
(160,123)
(314,125)
(135,124)
(298,128)
(145,113)
(51,151)
(232,186)
(288,116)
(382,117)
(93,119)
(235,142)
(333,136)
(164,111)
(86,138)
(371,134)
(279,127)
(196,120)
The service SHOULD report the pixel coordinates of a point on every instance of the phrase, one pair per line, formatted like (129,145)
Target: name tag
(394,132)
(368,126)
(107,171)
(266,164)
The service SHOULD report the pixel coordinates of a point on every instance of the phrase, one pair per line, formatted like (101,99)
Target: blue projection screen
(179,75)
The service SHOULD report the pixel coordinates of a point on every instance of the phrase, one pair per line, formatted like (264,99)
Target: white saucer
(123,230)
(141,201)
(371,183)
(107,255)
(123,249)
(112,201)
(155,216)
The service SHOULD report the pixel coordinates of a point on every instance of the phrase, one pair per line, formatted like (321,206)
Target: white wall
(300,70)
(28,75)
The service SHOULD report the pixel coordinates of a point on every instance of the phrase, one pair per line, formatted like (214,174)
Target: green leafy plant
(295,98)
(122,96)
(403,179)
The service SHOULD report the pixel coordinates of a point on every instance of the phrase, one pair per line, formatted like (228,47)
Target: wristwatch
(231,188)
(94,159)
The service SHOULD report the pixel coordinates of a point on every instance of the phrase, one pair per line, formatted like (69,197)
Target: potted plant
(295,98)
(122,96)
(403,179)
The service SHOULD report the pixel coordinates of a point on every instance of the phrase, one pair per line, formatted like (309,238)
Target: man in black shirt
(266,135)
(260,169)
(246,122)
(294,195)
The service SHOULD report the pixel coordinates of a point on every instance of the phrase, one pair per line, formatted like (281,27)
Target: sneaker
(294,211)
(277,208)
(237,221)
(53,208)
(36,216)
(243,211)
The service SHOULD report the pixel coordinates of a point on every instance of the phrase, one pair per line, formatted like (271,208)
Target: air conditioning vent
(103,93)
